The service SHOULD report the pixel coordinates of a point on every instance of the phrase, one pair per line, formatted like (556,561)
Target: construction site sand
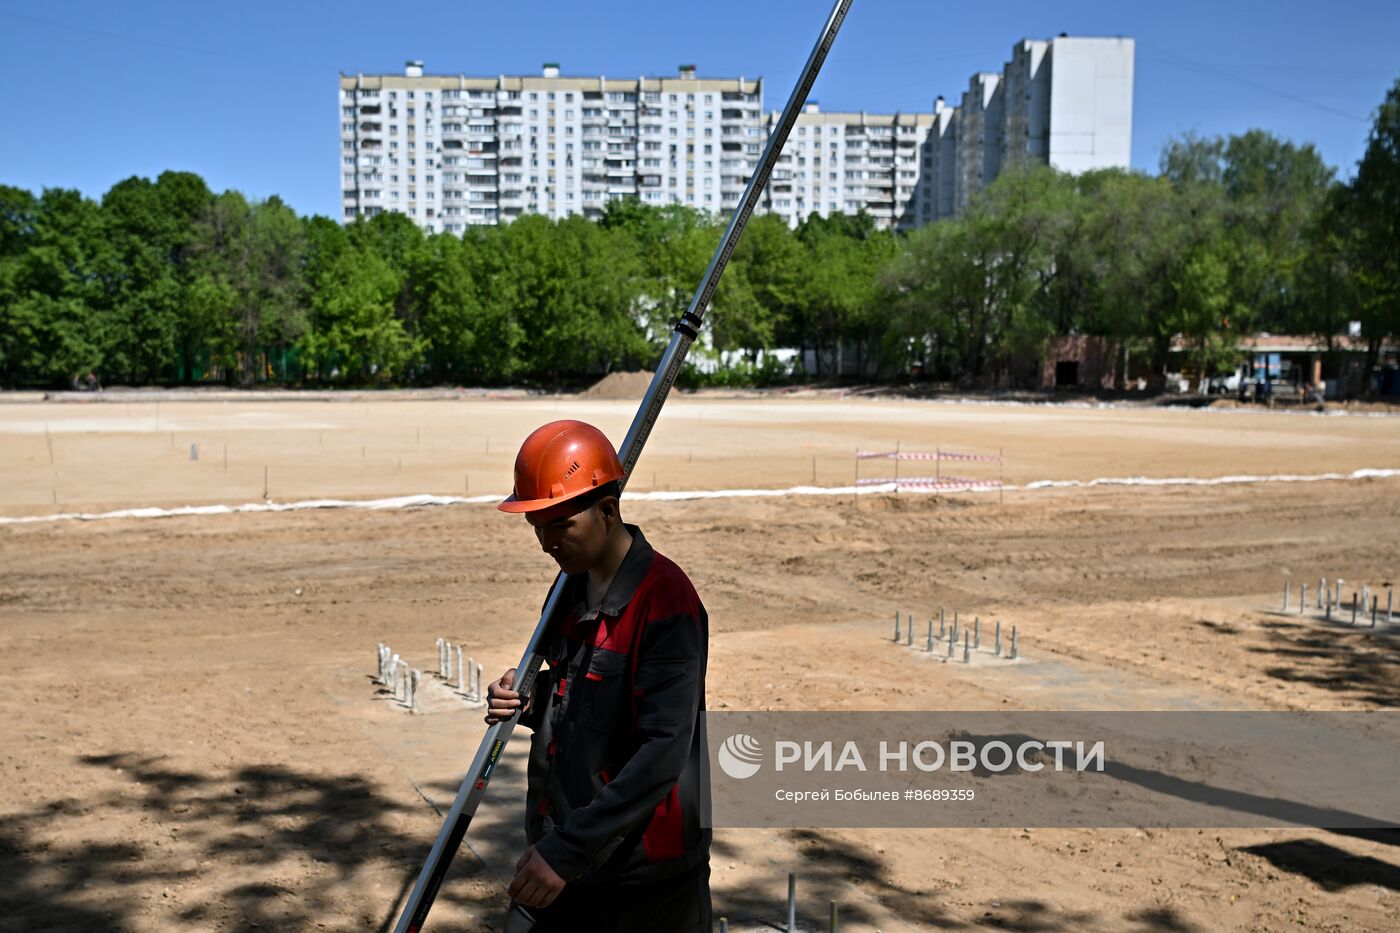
(194,741)
(116,454)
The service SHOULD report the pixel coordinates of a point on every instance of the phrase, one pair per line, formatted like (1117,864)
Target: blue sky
(244,93)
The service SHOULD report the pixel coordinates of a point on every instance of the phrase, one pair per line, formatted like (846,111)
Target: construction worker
(618,778)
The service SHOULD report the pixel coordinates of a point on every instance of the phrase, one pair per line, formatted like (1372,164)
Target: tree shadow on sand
(1327,866)
(1359,663)
(235,831)
(828,869)
(245,825)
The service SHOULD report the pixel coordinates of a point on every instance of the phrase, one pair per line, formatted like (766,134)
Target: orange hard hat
(559,461)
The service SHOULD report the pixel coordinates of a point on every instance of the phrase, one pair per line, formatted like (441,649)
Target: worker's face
(577,541)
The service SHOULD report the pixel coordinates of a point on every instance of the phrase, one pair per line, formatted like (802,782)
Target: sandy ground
(111,453)
(195,741)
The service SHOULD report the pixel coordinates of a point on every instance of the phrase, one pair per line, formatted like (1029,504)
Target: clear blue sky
(244,93)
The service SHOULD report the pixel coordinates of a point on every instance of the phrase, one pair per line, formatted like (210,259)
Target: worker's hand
(535,883)
(501,701)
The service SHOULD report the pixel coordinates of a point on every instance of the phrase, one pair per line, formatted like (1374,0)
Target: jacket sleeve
(670,663)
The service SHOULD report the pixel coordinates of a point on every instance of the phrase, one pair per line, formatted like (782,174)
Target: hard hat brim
(512,504)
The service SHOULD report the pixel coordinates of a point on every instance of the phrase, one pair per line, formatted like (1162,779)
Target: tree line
(168,282)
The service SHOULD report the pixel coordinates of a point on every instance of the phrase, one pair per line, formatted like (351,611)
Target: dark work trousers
(673,905)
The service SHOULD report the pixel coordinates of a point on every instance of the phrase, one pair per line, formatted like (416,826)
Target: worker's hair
(594,496)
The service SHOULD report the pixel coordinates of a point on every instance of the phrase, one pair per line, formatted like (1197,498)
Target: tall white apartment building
(848,162)
(1065,102)
(452,151)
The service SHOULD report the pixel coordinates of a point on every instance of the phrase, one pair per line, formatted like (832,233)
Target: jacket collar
(629,576)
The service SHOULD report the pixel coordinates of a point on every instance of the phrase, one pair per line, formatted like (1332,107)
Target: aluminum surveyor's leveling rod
(454,828)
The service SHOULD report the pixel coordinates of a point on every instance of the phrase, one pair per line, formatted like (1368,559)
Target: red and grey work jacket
(619,767)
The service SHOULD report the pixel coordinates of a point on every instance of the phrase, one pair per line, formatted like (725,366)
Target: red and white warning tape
(932,482)
(923,455)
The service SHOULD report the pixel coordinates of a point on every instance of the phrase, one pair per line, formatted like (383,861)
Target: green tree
(760,289)
(53,316)
(840,296)
(965,287)
(1373,208)
(1192,160)
(150,226)
(248,271)
(674,245)
(1202,305)
(355,335)
(465,336)
(1328,286)
(19,216)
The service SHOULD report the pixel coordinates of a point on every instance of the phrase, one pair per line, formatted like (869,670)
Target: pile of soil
(620,386)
